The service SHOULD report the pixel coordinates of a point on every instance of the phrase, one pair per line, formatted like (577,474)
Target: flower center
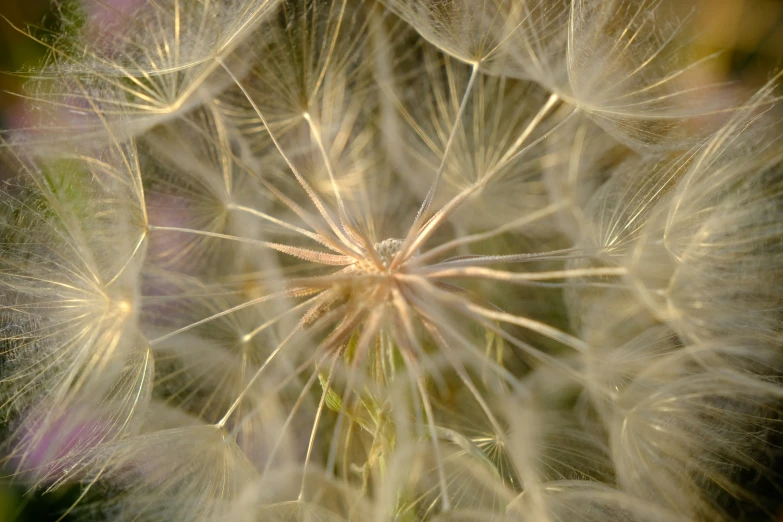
(386,250)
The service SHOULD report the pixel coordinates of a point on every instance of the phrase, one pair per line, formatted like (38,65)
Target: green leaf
(333,400)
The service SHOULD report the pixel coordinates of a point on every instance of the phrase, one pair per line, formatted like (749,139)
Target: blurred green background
(16,50)
(749,31)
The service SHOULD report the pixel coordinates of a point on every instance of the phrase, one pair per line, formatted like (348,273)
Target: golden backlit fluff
(411,260)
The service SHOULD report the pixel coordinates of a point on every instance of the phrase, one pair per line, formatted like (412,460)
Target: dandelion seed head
(415,261)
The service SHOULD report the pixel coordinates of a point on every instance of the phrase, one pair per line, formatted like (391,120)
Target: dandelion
(348,260)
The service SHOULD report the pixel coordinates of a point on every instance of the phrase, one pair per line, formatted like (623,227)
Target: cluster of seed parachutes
(399,260)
